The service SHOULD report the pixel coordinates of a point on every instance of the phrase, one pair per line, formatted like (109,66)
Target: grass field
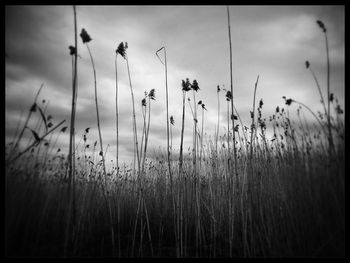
(237,194)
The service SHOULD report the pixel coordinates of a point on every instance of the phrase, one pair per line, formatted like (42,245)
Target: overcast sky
(271,41)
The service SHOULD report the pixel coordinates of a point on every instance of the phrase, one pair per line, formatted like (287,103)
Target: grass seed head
(321,25)
(122,49)
(307,64)
(261,103)
(85,36)
(186,85)
(33,108)
(228,95)
(289,102)
(73,50)
(152,94)
(195,86)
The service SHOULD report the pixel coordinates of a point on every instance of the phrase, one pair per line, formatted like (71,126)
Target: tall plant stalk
(168,147)
(253,128)
(116,114)
(71,155)
(186,86)
(86,39)
(233,132)
(195,89)
(218,125)
(307,63)
(167,110)
(98,116)
(330,137)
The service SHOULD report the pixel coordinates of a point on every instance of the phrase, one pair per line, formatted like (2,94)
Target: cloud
(270,41)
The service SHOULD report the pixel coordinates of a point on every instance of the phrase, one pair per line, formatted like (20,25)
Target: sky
(270,41)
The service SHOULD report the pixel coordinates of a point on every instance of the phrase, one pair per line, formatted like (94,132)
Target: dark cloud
(271,41)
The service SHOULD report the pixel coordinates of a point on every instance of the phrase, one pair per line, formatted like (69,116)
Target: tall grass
(71,156)
(283,198)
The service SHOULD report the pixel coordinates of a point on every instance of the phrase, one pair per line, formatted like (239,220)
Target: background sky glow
(271,41)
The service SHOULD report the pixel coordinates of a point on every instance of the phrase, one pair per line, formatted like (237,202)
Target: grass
(283,197)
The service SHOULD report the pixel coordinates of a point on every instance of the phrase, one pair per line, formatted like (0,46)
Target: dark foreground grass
(290,202)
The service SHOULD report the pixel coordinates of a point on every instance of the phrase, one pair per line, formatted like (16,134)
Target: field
(236,194)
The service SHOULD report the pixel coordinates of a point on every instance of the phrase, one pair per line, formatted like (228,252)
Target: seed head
(261,103)
(289,102)
(321,25)
(203,106)
(199,102)
(73,50)
(339,110)
(195,86)
(186,85)
(87,130)
(307,64)
(228,95)
(218,88)
(122,49)
(143,102)
(85,36)
(152,94)
(172,120)
(33,108)
(331,97)
(64,129)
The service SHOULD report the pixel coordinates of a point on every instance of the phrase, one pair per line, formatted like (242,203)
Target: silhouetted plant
(122,51)
(186,86)
(330,137)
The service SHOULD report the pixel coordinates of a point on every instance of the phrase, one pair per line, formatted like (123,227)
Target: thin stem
(98,115)
(117,115)
(318,120)
(36,142)
(218,127)
(319,90)
(253,120)
(182,130)
(134,117)
(330,137)
(26,122)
